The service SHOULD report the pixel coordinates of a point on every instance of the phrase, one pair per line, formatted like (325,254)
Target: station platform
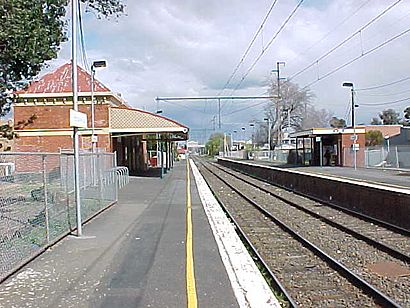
(137,254)
(396,178)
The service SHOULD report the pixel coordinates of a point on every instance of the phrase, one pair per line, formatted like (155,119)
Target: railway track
(318,255)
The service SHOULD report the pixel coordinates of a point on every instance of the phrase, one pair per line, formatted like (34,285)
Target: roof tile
(59,81)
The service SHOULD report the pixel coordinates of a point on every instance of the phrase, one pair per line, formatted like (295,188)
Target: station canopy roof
(313,132)
(128,121)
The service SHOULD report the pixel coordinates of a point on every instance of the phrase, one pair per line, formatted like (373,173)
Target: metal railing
(37,202)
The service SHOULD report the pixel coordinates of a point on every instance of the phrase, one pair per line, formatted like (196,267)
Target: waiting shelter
(42,122)
(330,146)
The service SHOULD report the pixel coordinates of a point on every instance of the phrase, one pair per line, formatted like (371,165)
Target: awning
(127,121)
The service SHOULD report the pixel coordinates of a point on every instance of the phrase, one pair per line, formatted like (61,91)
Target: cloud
(190,47)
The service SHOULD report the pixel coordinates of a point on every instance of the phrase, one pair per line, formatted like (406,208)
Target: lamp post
(268,120)
(253,134)
(96,64)
(233,140)
(244,137)
(351,86)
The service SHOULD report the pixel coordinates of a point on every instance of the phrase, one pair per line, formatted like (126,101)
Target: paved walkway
(132,255)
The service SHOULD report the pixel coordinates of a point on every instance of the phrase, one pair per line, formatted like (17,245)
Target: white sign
(78,119)
(355,147)
(318,139)
(353,137)
(94,138)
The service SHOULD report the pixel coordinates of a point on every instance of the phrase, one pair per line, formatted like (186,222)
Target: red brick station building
(118,127)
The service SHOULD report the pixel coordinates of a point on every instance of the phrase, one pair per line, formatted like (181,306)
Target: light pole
(351,86)
(96,64)
(268,120)
(244,137)
(253,134)
(233,140)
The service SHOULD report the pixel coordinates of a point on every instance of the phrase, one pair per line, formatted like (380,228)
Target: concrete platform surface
(387,177)
(132,255)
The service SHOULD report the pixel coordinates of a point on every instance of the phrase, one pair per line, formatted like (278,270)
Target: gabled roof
(59,81)
(129,120)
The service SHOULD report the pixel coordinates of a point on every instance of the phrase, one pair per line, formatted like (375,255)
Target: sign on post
(353,137)
(78,119)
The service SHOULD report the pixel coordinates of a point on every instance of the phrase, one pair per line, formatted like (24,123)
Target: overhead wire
(385,94)
(268,45)
(383,85)
(245,108)
(82,40)
(359,31)
(386,103)
(249,47)
(335,28)
(357,58)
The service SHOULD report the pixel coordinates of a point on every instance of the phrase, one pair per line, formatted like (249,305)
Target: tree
(290,110)
(30,34)
(337,123)
(406,119)
(214,144)
(390,117)
(317,117)
(374,137)
(376,121)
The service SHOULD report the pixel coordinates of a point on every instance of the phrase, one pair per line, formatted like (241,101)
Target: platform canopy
(129,121)
(313,132)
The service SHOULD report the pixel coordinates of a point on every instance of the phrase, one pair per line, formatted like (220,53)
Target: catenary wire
(373,20)
(82,40)
(334,29)
(383,85)
(268,45)
(386,103)
(358,57)
(249,47)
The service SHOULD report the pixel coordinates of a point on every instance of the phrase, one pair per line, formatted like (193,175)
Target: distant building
(195,148)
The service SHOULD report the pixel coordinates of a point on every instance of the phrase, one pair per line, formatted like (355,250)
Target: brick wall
(55,143)
(49,116)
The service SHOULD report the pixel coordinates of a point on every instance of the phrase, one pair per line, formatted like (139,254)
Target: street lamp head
(243,128)
(251,124)
(158,111)
(347,84)
(97,64)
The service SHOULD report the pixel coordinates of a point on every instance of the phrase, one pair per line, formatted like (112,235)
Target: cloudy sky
(191,48)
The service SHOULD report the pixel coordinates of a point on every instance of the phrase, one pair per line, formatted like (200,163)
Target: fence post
(45,198)
(116,181)
(397,158)
(100,179)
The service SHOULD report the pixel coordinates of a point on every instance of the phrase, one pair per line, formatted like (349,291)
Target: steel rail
(379,297)
(379,245)
(382,223)
(242,234)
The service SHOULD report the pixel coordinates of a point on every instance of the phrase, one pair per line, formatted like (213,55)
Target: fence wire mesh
(37,201)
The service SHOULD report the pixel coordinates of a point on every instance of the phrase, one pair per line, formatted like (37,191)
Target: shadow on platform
(150,173)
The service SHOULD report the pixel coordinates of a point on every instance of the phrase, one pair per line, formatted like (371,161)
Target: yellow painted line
(190,272)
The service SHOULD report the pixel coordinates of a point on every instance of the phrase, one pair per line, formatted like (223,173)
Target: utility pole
(219,113)
(268,120)
(351,86)
(213,123)
(76,143)
(278,120)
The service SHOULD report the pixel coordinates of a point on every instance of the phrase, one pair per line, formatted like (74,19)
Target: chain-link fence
(388,157)
(37,200)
